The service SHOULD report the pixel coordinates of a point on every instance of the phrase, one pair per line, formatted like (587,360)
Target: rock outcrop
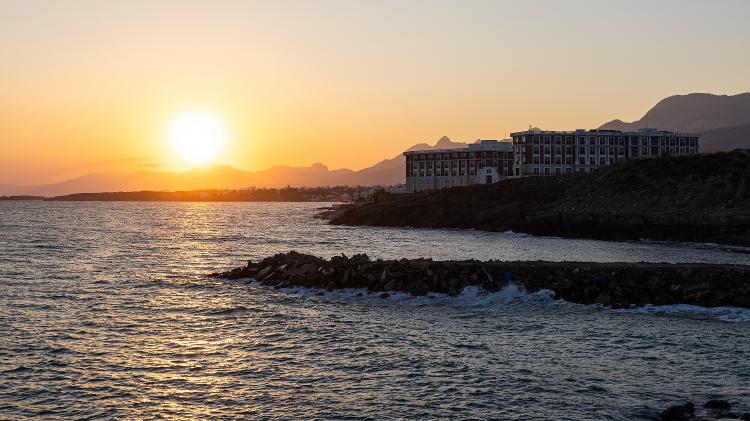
(703,198)
(610,284)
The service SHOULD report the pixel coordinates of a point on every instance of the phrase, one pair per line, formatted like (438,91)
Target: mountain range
(724,122)
(385,173)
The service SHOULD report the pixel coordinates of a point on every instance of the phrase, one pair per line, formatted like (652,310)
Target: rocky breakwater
(611,284)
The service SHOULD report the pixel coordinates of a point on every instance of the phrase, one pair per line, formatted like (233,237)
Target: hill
(692,113)
(726,139)
(724,120)
(699,198)
(384,173)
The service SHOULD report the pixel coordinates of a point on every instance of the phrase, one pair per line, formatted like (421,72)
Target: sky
(92,86)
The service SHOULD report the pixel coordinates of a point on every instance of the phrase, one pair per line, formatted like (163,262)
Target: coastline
(618,285)
(689,199)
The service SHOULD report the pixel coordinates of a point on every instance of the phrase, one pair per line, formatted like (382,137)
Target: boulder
(717,404)
(263,272)
(682,412)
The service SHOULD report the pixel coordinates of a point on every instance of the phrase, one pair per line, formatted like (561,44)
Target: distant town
(344,194)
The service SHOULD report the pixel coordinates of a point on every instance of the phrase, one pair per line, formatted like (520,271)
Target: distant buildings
(538,153)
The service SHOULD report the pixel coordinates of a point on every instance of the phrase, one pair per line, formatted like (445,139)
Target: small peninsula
(700,198)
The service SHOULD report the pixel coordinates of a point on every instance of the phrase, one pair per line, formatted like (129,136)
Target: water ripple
(106,313)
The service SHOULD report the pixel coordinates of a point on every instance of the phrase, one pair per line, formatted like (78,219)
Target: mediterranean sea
(106,312)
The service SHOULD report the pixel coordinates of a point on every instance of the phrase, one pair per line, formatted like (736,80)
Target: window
(582,150)
(536,171)
(582,161)
(558,171)
(546,171)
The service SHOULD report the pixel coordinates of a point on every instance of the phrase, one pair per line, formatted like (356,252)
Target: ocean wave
(471,296)
(727,314)
(475,296)
(224,311)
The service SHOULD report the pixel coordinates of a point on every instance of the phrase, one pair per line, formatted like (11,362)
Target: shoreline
(688,199)
(617,285)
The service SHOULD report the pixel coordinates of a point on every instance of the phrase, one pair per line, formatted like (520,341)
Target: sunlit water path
(105,313)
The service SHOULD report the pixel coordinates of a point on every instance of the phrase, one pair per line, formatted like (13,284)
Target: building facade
(539,152)
(483,162)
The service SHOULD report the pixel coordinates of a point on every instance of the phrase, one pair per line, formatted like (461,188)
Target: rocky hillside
(702,198)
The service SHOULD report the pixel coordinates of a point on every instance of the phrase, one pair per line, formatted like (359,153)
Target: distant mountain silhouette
(385,173)
(726,139)
(723,120)
(391,171)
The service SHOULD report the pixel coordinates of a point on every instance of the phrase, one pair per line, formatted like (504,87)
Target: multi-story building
(539,152)
(483,162)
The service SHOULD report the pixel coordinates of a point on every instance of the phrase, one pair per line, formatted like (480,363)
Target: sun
(197,137)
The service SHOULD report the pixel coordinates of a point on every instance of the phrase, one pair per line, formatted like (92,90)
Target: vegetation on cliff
(699,198)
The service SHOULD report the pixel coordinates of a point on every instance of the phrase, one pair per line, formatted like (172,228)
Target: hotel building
(483,162)
(539,153)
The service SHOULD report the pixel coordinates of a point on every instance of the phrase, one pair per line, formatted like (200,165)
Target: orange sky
(91,86)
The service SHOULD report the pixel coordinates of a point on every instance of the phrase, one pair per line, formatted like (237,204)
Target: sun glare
(197,137)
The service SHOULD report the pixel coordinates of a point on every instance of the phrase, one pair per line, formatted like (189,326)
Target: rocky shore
(703,198)
(611,284)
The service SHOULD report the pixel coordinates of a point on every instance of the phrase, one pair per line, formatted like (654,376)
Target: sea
(107,312)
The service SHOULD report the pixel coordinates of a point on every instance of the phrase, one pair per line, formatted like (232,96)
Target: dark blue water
(105,313)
